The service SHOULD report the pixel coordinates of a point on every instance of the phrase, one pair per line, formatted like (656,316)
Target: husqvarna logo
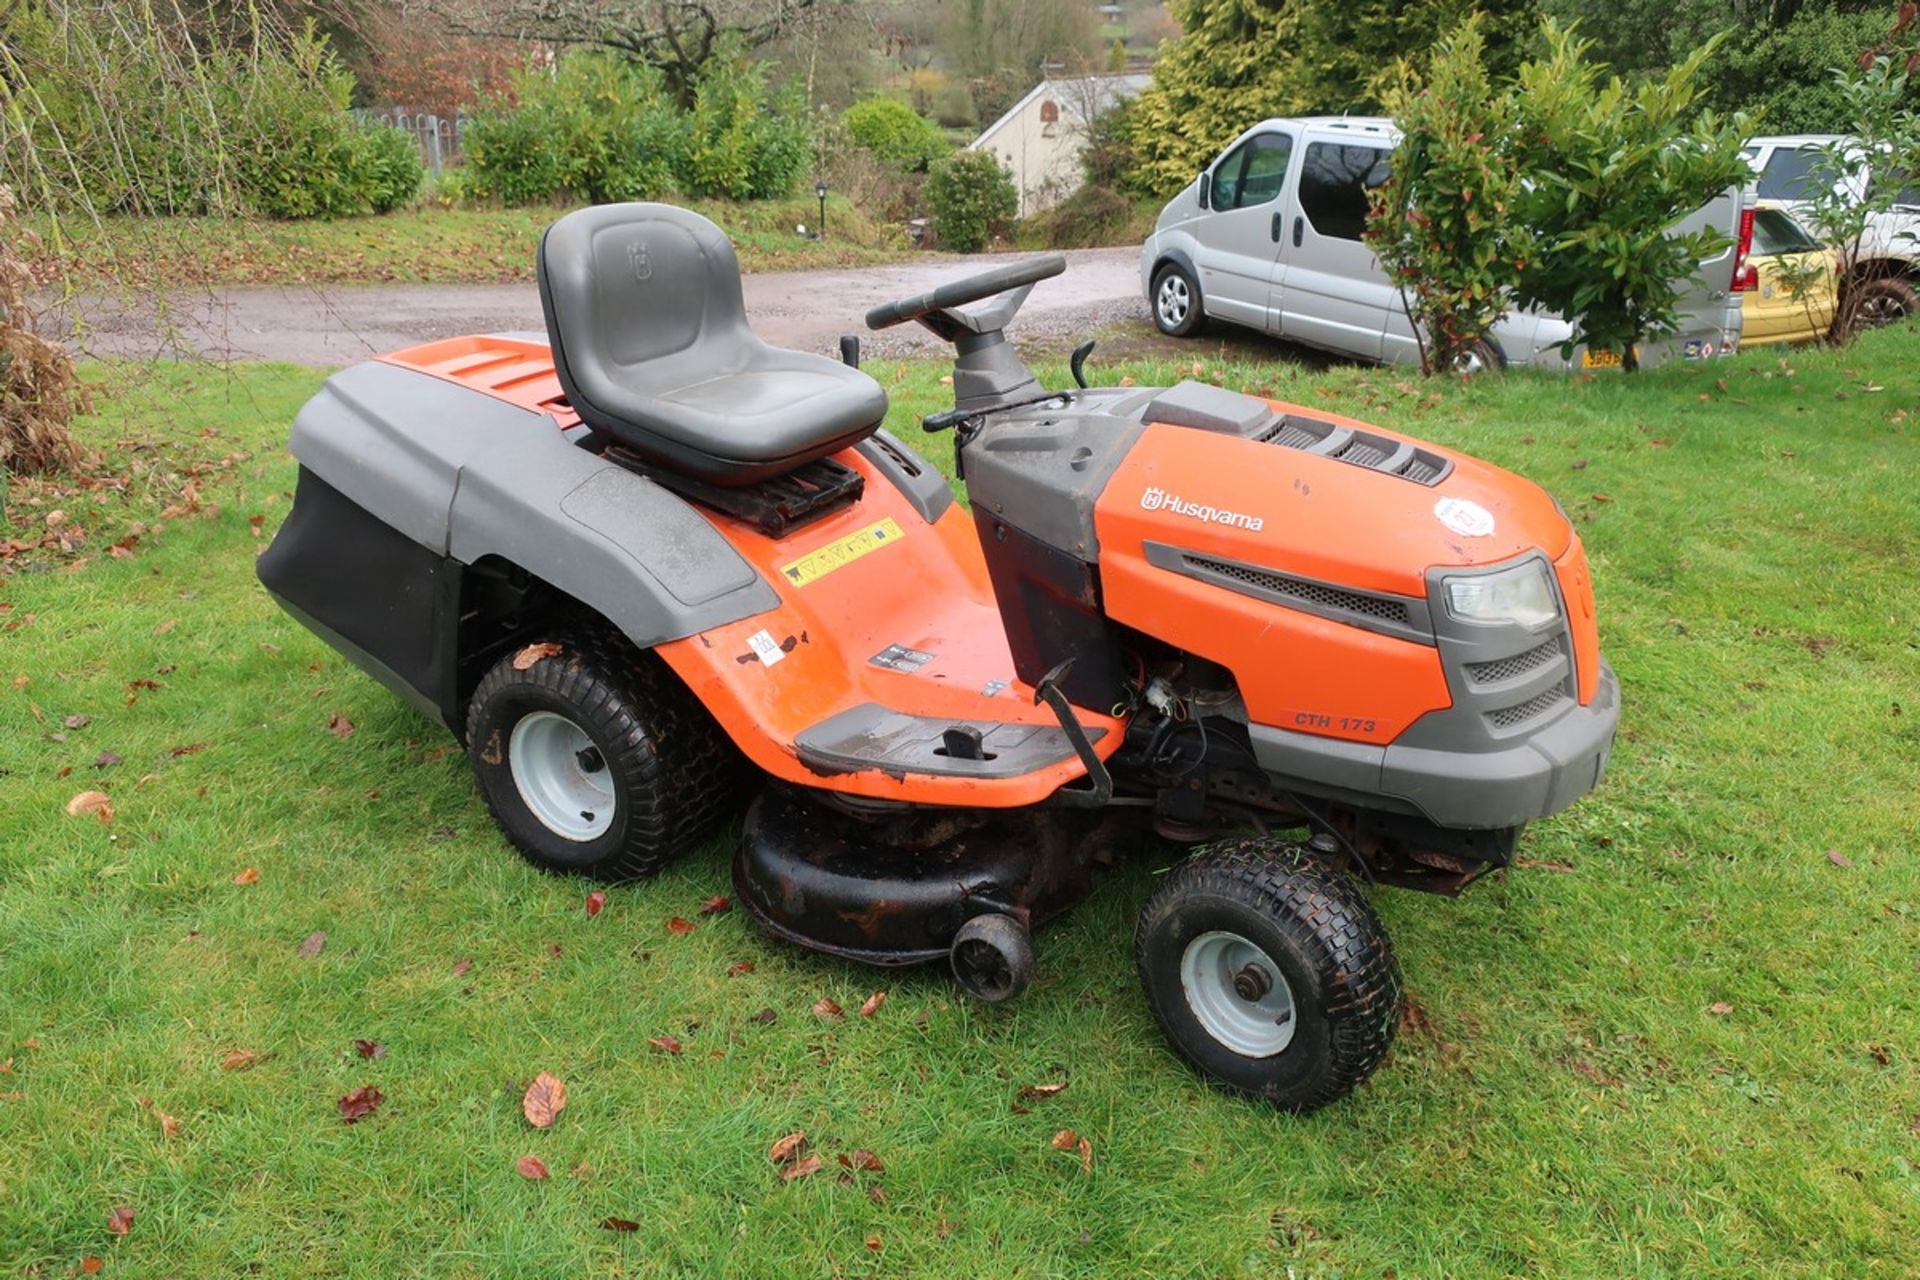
(1158,499)
(641,263)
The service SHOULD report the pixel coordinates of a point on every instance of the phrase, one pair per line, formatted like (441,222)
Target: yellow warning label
(822,561)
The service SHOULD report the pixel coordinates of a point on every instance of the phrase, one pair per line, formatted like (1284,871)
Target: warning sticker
(822,561)
(897,657)
(768,649)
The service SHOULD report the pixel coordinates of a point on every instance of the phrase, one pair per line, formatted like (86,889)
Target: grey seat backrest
(651,344)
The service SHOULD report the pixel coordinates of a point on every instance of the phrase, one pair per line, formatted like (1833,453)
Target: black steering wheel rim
(972,288)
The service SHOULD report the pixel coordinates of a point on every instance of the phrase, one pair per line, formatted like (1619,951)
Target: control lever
(850,350)
(1048,691)
(1078,360)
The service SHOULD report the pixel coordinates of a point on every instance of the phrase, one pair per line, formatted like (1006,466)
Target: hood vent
(1357,448)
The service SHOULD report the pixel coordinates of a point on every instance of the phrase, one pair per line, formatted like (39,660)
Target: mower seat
(651,345)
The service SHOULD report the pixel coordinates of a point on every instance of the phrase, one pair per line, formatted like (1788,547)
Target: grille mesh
(1362,453)
(1308,592)
(1518,665)
(1507,717)
(1421,471)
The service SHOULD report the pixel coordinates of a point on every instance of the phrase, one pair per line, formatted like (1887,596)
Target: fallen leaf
(1559,868)
(872,1004)
(531,1167)
(460,968)
(97,803)
(619,1224)
(90,1265)
(524,660)
(1719,1008)
(766,1017)
(239,1060)
(250,876)
(370,1049)
(169,1127)
(803,1168)
(739,968)
(339,726)
(1838,858)
(1064,1140)
(825,1008)
(315,943)
(873,1243)
(77,721)
(1042,1090)
(361,1103)
(191,748)
(545,1098)
(596,903)
(862,1159)
(120,1221)
(1601,497)
(666,1044)
(787,1148)
(1086,1157)
(166,626)
(680,925)
(106,760)
(716,905)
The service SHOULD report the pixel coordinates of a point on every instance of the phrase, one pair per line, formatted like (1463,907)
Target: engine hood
(1312,514)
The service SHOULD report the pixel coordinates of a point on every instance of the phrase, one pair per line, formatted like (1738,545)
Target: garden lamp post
(820,191)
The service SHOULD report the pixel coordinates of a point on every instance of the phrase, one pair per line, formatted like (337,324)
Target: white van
(1270,236)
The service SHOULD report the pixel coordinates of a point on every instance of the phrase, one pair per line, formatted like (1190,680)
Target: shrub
(971,197)
(894,133)
(742,143)
(389,167)
(1091,217)
(596,128)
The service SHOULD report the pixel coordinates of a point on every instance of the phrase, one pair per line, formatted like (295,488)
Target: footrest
(871,736)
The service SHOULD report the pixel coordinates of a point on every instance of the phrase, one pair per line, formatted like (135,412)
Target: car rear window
(1334,179)
(1792,173)
(1775,231)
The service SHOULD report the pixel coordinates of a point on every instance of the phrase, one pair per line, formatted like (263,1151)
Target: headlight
(1523,594)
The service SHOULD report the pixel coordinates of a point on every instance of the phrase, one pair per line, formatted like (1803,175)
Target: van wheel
(1479,359)
(1883,301)
(595,760)
(1177,311)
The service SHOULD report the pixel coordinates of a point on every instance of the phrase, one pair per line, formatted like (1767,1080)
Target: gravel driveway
(336,324)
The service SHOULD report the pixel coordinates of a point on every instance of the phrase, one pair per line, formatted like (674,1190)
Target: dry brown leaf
(741,967)
(370,1049)
(872,1004)
(90,1265)
(166,626)
(120,1221)
(1042,1090)
(666,1044)
(1719,1008)
(460,968)
(862,1159)
(619,1224)
(545,1098)
(339,726)
(239,1060)
(716,905)
(1838,858)
(524,660)
(361,1103)
(802,1168)
(1064,1140)
(314,944)
(249,876)
(680,925)
(97,803)
(1086,1157)
(873,1243)
(530,1167)
(596,903)
(787,1148)
(825,1008)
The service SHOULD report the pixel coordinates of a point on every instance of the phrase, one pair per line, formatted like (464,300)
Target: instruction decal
(897,657)
(1465,517)
(765,647)
(821,561)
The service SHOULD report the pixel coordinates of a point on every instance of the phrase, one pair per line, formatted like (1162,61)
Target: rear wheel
(1881,301)
(1269,972)
(1176,301)
(596,761)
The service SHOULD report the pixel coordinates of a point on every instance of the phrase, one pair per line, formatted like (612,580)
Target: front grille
(1356,448)
(1520,664)
(1289,433)
(1314,593)
(899,455)
(1539,704)
(1362,452)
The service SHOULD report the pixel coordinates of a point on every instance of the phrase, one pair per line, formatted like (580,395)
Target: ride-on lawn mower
(639,558)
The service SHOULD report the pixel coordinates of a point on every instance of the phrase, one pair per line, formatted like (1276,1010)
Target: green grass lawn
(427,245)
(1684,1043)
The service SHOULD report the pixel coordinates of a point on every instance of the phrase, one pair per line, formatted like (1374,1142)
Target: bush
(1090,218)
(596,128)
(894,133)
(971,197)
(741,142)
(389,167)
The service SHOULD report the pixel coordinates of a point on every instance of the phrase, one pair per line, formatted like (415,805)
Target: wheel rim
(982,969)
(1881,309)
(1470,362)
(1238,994)
(1174,301)
(561,776)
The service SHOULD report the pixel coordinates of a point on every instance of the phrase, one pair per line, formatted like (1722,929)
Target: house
(1040,138)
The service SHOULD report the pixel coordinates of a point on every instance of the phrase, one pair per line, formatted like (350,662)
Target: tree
(676,37)
(1004,46)
(1609,169)
(1441,223)
(970,195)
(38,390)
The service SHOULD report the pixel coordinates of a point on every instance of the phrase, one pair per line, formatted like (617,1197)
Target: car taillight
(1745,275)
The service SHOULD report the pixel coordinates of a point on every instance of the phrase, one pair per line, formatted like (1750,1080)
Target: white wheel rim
(1173,301)
(1238,994)
(561,776)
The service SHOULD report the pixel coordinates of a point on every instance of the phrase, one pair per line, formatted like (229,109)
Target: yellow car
(1786,282)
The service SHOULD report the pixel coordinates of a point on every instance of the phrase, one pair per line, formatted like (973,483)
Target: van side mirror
(1206,190)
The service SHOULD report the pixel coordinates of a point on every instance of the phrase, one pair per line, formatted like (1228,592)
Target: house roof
(1097,92)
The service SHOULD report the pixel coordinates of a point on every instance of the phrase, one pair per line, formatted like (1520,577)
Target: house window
(1049,118)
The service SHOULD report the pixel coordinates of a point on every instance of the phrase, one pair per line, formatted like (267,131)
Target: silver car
(1270,236)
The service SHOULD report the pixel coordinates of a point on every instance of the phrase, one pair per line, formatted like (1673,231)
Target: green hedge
(894,133)
(971,196)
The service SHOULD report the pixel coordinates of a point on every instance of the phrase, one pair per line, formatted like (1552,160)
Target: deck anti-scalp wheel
(594,760)
(1269,972)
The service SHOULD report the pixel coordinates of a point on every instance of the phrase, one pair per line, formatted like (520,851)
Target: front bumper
(1457,787)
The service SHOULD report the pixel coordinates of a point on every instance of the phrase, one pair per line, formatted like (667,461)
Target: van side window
(1334,180)
(1793,173)
(1252,172)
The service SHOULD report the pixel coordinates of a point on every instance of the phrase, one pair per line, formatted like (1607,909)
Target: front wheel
(1880,301)
(1269,973)
(594,760)
(1176,301)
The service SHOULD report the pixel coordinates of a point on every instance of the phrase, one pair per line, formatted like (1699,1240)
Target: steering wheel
(936,302)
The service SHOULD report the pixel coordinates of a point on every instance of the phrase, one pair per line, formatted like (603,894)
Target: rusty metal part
(894,890)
